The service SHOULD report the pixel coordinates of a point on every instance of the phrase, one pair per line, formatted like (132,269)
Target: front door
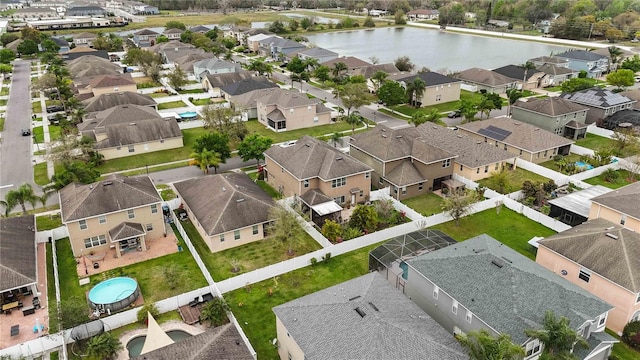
(353,199)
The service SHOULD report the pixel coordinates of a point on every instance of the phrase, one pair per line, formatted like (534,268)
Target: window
(305,183)
(486,169)
(435,292)
(520,151)
(340,199)
(361,193)
(338,182)
(454,307)
(102,219)
(236,235)
(533,347)
(315,119)
(545,153)
(497,166)
(638,298)
(131,214)
(446,163)
(469,316)
(404,191)
(460,167)
(83,224)
(154,208)
(420,186)
(584,275)
(149,227)
(623,219)
(438,97)
(478,171)
(95,241)
(132,148)
(221,237)
(485,139)
(367,175)
(603,319)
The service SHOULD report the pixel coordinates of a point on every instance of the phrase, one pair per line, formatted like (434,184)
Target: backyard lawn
(551,164)
(444,107)
(252,305)
(251,256)
(622,351)
(48,222)
(191,91)
(508,227)
(514,182)
(1,124)
(595,142)
(171,105)
(256,127)
(158,95)
(426,204)
(264,185)
(201,102)
(623,180)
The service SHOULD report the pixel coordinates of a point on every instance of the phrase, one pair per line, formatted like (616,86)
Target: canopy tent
(156,337)
(326,208)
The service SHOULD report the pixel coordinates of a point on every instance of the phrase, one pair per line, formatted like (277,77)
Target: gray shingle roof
(325,324)
(404,174)
(225,202)
(368,71)
(522,135)
(317,52)
(511,298)
(107,101)
(246,85)
(146,32)
(90,65)
(142,131)
(287,99)
(549,60)
(199,28)
(310,158)
(588,245)
(515,72)
(552,69)
(551,106)
(597,97)
(85,35)
(583,55)
(215,63)
(172,44)
(183,54)
(115,193)
(118,114)
(17,252)
(126,230)
(484,77)
(219,80)
(111,80)
(350,61)
(430,78)
(315,197)
(624,200)
(579,202)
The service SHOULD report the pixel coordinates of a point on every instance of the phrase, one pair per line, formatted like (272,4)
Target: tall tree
(253,147)
(559,339)
(7,56)
(285,227)
(354,119)
(378,78)
(216,142)
(419,117)
(205,159)
(73,171)
(403,63)
(322,73)
(415,90)
(614,54)
(260,66)
(339,70)
(177,78)
(480,345)
(21,196)
(365,218)
(621,78)
(391,93)
(513,95)
(225,121)
(173,24)
(354,96)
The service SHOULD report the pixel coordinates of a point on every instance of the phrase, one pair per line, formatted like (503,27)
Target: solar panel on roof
(495,132)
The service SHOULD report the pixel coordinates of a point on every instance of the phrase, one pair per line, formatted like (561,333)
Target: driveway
(16,167)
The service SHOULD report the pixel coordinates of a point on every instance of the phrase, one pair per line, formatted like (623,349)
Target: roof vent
(536,129)
(339,159)
(360,312)
(516,123)
(307,145)
(355,297)
(478,142)
(398,136)
(384,135)
(460,136)
(224,189)
(610,235)
(373,306)
(610,228)
(240,200)
(383,130)
(497,263)
(107,183)
(132,124)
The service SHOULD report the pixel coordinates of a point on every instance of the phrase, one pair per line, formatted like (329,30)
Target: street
(188,172)
(16,167)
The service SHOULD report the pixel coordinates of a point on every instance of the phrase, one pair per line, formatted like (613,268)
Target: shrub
(326,257)
(215,311)
(631,334)
(610,175)
(313,261)
(147,308)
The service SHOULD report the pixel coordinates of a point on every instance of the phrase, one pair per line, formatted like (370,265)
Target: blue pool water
(112,290)
(582,164)
(188,114)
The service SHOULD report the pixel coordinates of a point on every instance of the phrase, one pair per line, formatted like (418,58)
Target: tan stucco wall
(301,117)
(441,94)
(143,216)
(113,153)
(537,158)
(110,90)
(622,299)
(287,346)
(365,158)
(476,174)
(599,211)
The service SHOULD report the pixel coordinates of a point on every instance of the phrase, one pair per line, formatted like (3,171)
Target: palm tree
(482,346)
(353,119)
(527,66)
(378,78)
(484,106)
(338,68)
(311,64)
(335,137)
(24,194)
(614,53)
(418,118)
(468,111)
(205,158)
(215,311)
(513,95)
(558,337)
(103,346)
(415,89)
(6,207)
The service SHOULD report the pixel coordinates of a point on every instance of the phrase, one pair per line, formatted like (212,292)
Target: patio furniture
(36,302)
(35,328)
(15,330)
(10,305)
(28,311)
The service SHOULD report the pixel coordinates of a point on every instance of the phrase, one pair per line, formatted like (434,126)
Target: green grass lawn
(191,91)
(595,142)
(52,307)
(1,124)
(426,204)
(201,102)
(5,90)
(158,95)
(515,180)
(508,227)
(52,102)
(171,105)
(264,185)
(571,158)
(256,127)
(252,307)
(48,222)
(444,107)
(54,133)
(36,107)
(157,168)
(251,256)
(622,351)
(40,175)
(3,102)
(623,180)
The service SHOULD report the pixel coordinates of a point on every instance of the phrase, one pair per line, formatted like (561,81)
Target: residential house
(633,94)
(368,71)
(417,160)
(109,100)
(476,79)
(353,63)
(81,51)
(423,14)
(145,38)
(602,103)
(619,206)
(602,258)
(365,310)
(594,64)
(213,66)
(464,288)
(173,34)
(175,45)
(126,130)
(84,39)
(90,65)
(614,63)
(277,47)
(34,13)
(284,110)
(317,53)
(236,32)
(229,92)
(228,210)
(552,60)
(253,42)
(623,119)
(213,82)
(180,55)
(88,10)
(321,175)
(573,208)
(62,43)
(243,101)
(556,75)
(138,8)
(554,114)
(199,29)
(526,79)
(119,212)
(105,84)
(527,141)
(438,88)
(18,262)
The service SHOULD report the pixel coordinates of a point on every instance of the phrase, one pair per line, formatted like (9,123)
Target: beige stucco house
(578,255)
(228,210)
(619,206)
(119,212)
(438,89)
(283,110)
(476,79)
(105,84)
(212,83)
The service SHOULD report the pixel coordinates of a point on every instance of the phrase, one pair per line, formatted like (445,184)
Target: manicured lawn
(256,127)
(515,180)
(36,107)
(252,305)
(158,95)
(444,107)
(251,256)
(158,168)
(5,90)
(596,142)
(508,227)
(426,204)
(571,158)
(40,175)
(201,102)
(192,20)
(52,102)
(264,185)
(623,180)
(48,222)
(1,124)
(171,105)
(191,91)
(622,351)
(166,192)
(51,292)
(54,133)
(3,102)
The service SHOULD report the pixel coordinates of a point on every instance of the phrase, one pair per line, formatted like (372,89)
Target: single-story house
(173,34)
(80,51)
(554,114)
(352,63)
(145,38)
(230,91)
(526,79)
(90,65)
(556,75)
(18,259)
(476,79)
(105,84)
(84,39)
(213,82)
(213,66)
(438,88)
(318,53)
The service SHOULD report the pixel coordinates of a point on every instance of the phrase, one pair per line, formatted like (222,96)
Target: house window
(497,166)
(438,97)
(255,229)
(361,193)
(221,237)
(623,219)
(478,171)
(486,169)
(102,219)
(380,180)
(367,175)
(603,319)
(95,241)
(338,182)
(533,347)
(435,292)
(584,275)
(520,151)
(83,224)
(505,146)
(420,186)
(339,199)
(454,307)
(545,153)
(446,163)
(460,167)
(485,139)
(315,119)
(305,183)
(236,235)
(131,214)
(149,227)
(469,316)
(154,208)
(132,148)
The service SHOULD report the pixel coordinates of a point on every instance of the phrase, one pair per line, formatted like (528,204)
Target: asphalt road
(188,172)
(16,167)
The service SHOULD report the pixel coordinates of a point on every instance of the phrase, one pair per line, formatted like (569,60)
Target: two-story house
(87,10)
(318,53)
(105,84)
(556,75)
(526,79)
(526,141)
(602,103)
(577,255)
(18,255)
(283,110)
(173,34)
(213,66)
(228,210)
(107,101)
(619,206)
(119,212)
(582,60)
(277,47)
(482,284)
(145,38)
(476,79)
(554,114)
(84,39)
(438,88)
(253,42)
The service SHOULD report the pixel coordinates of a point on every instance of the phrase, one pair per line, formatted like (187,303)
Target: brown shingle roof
(484,77)
(219,80)
(588,244)
(115,193)
(552,106)
(117,115)
(90,65)
(625,200)
(404,174)
(85,35)
(287,98)
(350,61)
(225,202)
(552,69)
(142,131)
(126,230)
(111,80)
(107,101)
(17,252)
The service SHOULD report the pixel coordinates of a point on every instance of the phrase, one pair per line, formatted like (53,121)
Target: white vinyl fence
(580,150)
(593,129)
(536,216)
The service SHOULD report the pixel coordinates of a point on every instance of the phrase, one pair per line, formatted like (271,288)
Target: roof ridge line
(626,258)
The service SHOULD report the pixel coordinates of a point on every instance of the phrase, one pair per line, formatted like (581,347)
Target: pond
(432,48)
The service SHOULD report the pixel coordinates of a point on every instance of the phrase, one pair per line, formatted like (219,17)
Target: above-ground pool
(134,346)
(188,115)
(114,294)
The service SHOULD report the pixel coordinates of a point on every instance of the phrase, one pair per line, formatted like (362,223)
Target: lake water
(432,48)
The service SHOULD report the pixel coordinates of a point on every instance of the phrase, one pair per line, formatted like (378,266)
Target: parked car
(26,132)
(54,108)
(454,114)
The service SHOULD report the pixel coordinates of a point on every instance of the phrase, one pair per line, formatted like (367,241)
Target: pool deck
(168,326)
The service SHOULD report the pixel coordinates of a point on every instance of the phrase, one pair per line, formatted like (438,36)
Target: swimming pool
(114,294)
(188,114)
(584,165)
(134,346)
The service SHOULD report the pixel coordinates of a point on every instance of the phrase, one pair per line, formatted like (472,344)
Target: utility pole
(590,31)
